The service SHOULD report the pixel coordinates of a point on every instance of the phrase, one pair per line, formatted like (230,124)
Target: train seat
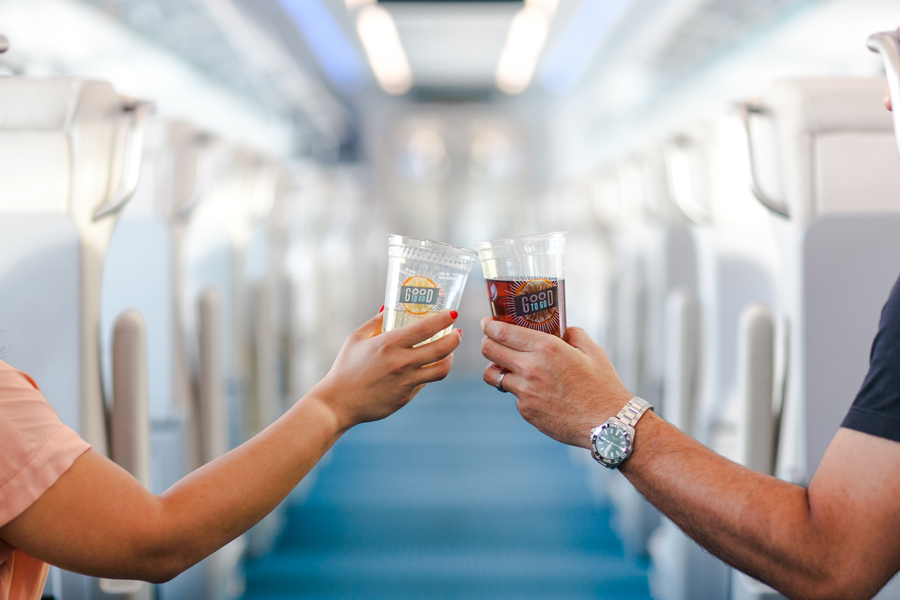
(834,201)
(736,266)
(655,256)
(70,158)
(827,168)
(142,273)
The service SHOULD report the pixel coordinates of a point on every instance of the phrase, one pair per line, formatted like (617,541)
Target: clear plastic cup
(423,278)
(525,280)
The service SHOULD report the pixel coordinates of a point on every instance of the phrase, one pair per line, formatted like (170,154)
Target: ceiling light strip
(524,42)
(381,41)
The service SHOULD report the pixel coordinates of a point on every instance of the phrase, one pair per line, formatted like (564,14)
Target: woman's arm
(840,539)
(97,520)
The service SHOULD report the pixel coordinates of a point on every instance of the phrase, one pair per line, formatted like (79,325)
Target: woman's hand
(564,388)
(377,374)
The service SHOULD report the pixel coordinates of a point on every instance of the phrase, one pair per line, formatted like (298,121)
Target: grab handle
(681,182)
(756,375)
(204,173)
(681,349)
(130,422)
(747,109)
(886,43)
(134,154)
(213,418)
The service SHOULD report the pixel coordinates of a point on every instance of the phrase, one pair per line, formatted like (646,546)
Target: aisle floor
(453,497)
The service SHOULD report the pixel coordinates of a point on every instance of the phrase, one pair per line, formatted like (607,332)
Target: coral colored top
(35,450)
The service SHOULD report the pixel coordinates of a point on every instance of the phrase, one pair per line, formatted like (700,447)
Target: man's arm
(840,539)
(98,520)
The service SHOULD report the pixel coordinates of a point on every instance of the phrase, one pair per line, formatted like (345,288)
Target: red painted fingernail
(460,332)
(381,310)
(453,314)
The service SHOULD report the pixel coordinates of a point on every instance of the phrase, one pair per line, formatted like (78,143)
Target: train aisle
(453,497)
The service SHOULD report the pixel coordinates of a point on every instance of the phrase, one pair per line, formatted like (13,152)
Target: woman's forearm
(99,521)
(219,501)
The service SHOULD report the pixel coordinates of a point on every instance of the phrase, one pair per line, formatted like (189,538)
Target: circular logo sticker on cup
(531,303)
(536,301)
(419,295)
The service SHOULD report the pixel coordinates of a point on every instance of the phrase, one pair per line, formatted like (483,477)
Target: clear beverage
(525,278)
(538,304)
(424,278)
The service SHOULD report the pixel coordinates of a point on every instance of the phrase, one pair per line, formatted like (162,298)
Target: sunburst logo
(531,303)
(419,296)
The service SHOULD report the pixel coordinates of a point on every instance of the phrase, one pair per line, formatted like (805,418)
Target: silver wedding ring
(500,381)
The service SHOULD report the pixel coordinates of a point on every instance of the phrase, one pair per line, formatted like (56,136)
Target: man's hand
(887,98)
(564,388)
(377,374)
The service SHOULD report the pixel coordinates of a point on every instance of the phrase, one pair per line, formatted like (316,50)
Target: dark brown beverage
(538,303)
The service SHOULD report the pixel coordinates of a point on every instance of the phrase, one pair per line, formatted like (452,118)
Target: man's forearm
(759,524)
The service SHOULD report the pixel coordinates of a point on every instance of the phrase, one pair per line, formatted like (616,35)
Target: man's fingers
(513,336)
(501,355)
(887,98)
(493,371)
(435,351)
(420,331)
(435,371)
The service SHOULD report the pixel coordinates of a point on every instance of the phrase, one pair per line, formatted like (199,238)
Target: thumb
(372,327)
(578,338)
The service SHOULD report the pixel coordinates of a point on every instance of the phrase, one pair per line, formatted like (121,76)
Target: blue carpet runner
(454,497)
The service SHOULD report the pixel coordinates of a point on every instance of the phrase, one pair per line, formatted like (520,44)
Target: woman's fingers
(501,355)
(435,371)
(420,331)
(436,350)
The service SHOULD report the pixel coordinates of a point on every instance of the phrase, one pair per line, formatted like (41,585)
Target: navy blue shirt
(876,410)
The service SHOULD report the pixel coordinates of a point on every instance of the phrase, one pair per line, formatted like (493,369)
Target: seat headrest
(835,104)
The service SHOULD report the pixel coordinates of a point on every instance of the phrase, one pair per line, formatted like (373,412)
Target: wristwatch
(613,441)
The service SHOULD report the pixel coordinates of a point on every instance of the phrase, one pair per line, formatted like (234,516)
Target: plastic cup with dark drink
(525,280)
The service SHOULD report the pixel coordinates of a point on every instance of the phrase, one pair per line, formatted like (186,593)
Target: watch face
(612,443)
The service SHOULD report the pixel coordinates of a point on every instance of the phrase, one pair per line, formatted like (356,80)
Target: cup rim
(395,239)
(519,239)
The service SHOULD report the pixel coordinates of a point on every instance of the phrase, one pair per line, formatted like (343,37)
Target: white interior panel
(40,305)
(34,169)
(857,172)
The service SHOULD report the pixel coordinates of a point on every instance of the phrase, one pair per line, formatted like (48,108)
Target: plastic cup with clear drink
(525,280)
(424,278)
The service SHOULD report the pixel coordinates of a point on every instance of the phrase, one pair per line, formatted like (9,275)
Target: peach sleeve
(35,447)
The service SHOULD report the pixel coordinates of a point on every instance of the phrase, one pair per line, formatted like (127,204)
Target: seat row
(151,278)
(751,254)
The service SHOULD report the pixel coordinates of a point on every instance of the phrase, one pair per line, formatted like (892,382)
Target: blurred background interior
(194,199)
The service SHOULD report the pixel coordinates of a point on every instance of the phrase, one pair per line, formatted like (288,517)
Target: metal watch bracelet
(633,411)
